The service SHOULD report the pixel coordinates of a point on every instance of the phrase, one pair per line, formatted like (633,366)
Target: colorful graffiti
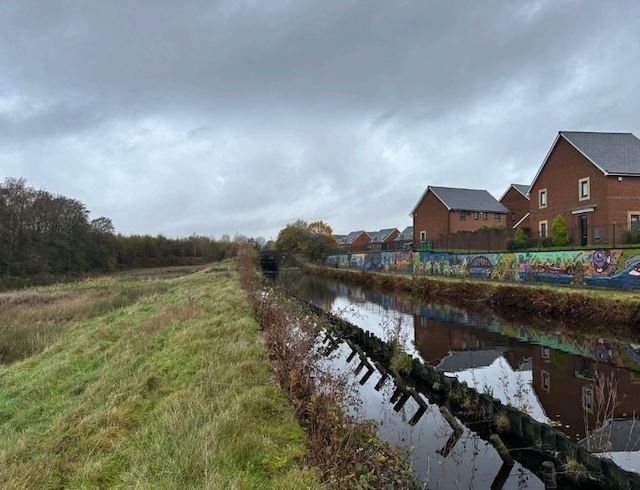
(597,268)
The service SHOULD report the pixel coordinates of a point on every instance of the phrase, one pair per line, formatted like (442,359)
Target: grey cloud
(224,117)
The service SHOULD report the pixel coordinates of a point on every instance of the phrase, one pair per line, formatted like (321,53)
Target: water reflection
(572,380)
(443,456)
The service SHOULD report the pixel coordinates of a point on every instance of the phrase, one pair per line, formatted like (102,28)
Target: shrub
(559,231)
(519,241)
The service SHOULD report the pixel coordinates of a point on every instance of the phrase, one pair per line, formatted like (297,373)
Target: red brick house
(593,180)
(383,239)
(356,241)
(515,199)
(444,210)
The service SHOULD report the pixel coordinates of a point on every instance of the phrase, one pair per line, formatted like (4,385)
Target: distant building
(354,241)
(444,210)
(404,241)
(593,180)
(383,239)
(515,199)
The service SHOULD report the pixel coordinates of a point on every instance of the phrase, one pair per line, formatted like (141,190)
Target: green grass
(145,381)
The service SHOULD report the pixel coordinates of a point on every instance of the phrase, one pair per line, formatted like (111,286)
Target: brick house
(383,239)
(593,180)
(515,199)
(356,241)
(404,241)
(445,210)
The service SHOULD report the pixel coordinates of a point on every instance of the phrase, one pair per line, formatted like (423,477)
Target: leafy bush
(559,231)
(519,241)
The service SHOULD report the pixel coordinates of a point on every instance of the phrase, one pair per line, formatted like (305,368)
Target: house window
(423,236)
(546,354)
(584,189)
(485,216)
(542,198)
(542,229)
(587,398)
(634,220)
(496,216)
(476,215)
(513,217)
(546,381)
(463,216)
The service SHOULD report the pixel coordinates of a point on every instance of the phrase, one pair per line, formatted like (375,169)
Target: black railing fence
(605,235)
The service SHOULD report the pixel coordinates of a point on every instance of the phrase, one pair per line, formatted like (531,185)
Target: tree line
(46,234)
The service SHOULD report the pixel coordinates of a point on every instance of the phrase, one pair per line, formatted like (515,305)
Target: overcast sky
(237,117)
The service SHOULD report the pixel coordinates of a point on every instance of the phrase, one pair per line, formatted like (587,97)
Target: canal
(586,386)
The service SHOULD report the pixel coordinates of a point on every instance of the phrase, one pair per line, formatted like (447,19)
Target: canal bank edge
(599,312)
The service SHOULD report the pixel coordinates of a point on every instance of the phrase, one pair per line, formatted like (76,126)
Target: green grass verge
(169,389)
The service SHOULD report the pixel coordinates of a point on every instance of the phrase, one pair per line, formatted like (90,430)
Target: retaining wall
(597,268)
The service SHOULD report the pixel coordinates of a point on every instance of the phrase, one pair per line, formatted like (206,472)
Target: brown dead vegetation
(31,320)
(347,452)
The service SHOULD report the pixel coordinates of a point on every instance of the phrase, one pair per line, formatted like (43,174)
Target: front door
(584,235)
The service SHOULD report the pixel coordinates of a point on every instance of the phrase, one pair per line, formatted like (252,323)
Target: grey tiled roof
(614,153)
(461,360)
(522,188)
(380,236)
(348,240)
(340,238)
(468,199)
(407,234)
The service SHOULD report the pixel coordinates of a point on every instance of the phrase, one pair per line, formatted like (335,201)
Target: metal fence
(607,235)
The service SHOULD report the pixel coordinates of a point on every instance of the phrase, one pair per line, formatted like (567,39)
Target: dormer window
(542,198)
(584,189)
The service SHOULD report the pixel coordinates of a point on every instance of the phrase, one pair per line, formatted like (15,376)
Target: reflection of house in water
(564,384)
(568,388)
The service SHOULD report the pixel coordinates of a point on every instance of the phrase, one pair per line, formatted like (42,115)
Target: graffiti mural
(597,268)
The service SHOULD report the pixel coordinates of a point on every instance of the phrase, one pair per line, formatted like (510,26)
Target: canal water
(579,383)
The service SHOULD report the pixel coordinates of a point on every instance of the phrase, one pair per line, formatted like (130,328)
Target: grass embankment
(610,311)
(149,381)
(347,451)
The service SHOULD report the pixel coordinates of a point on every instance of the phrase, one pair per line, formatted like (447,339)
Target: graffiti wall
(596,268)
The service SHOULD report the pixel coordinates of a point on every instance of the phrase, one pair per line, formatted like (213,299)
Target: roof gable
(611,153)
(380,236)
(352,237)
(520,188)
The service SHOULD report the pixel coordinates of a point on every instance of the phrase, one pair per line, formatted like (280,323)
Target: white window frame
(546,198)
(545,352)
(546,374)
(423,236)
(580,182)
(629,214)
(546,228)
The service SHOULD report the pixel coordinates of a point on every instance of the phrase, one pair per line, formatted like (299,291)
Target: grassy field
(145,380)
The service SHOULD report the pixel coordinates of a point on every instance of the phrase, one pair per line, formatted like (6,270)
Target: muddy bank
(583,311)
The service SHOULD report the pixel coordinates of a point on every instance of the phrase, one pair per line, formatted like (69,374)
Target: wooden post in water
(502,450)
(549,475)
